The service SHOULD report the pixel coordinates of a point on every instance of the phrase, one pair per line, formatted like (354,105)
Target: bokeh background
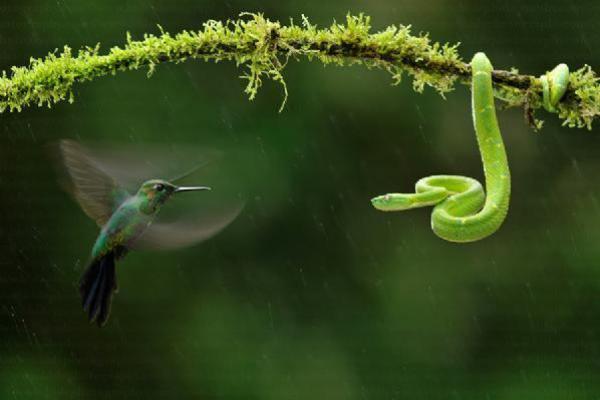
(310,293)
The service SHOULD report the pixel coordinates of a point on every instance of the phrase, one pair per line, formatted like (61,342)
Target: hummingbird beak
(190,188)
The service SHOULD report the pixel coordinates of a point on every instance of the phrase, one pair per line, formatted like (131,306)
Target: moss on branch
(263,48)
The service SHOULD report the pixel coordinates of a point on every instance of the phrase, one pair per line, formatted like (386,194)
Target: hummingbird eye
(159,187)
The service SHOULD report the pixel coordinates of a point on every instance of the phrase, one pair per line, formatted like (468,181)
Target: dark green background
(310,293)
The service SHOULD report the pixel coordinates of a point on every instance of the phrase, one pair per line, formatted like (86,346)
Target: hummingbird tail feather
(97,285)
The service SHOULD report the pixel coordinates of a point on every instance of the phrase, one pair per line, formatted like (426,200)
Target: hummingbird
(126,221)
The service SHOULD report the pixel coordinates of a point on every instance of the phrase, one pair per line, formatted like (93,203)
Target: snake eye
(159,187)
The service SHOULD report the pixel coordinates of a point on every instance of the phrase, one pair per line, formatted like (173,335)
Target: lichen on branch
(264,47)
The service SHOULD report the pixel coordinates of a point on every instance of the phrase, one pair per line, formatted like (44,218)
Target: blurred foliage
(310,293)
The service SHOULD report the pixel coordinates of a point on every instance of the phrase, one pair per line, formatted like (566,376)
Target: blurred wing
(131,165)
(173,235)
(96,192)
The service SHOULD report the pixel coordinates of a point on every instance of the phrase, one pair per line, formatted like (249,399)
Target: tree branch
(264,47)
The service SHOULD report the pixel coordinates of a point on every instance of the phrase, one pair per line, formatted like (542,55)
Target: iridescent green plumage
(126,221)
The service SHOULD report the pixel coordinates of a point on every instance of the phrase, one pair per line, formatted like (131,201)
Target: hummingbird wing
(130,165)
(97,193)
(182,233)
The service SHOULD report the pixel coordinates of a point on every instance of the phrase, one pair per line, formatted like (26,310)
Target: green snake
(462,212)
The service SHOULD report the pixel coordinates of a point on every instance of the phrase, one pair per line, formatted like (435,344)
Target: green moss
(262,48)
(582,103)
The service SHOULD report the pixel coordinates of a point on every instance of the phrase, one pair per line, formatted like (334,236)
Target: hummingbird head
(156,192)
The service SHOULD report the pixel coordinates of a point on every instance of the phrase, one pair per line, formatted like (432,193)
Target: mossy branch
(264,47)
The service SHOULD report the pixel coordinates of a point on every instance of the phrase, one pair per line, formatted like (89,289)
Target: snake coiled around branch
(462,210)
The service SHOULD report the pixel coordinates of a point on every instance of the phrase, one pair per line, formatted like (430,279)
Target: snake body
(462,211)
(554,86)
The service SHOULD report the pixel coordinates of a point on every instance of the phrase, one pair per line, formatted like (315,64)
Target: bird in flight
(126,220)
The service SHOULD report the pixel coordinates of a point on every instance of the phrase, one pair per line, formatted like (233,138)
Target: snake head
(392,202)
